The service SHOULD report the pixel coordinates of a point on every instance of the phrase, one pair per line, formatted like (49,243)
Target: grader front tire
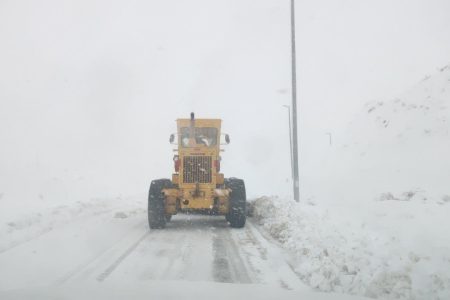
(238,203)
(156,206)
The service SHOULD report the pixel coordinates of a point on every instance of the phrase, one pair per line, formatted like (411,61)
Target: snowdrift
(361,258)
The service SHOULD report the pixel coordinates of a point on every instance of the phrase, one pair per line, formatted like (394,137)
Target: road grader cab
(197,186)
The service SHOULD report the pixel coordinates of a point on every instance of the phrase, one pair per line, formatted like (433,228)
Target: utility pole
(290,139)
(294,107)
(329,134)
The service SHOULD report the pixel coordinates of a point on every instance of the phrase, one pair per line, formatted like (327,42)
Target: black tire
(238,204)
(156,205)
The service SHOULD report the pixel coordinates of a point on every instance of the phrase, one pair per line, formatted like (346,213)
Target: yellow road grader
(197,185)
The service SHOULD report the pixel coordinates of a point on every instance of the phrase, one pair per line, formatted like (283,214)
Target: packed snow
(103,249)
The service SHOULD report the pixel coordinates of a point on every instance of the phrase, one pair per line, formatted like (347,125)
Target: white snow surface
(169,290)
(374,210)
(103,249)
(393,250)
(31,225)
(399,145)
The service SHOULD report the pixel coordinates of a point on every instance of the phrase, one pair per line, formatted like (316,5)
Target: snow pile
(30,226)
(384,254)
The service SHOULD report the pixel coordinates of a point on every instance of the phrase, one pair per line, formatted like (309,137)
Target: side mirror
(172,138)
(227,138)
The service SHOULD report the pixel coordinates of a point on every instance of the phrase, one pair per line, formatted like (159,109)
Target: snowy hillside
(421,112)
(402,145)
(375,221)
(396,146)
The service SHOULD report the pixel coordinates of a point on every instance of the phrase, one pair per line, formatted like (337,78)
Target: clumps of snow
(447,67)
(405,196)
(412,195)
(221,192)
(387,197)
(120,215)
(371,106)
(30,226)
(362,257)
(444,200)
(393,285)
(420,112)
(129,213)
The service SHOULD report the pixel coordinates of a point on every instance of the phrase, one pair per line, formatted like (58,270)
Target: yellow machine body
(197,184)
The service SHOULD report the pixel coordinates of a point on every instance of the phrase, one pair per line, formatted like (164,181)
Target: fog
(90,90)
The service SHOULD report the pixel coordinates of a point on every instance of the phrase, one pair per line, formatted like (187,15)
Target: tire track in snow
(82,267)
(228,266)
(47,228)
(266,258)
(121,258)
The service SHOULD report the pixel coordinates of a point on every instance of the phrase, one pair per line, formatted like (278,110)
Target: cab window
(202,136)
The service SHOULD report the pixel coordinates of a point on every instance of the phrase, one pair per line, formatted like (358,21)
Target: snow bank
(382,254)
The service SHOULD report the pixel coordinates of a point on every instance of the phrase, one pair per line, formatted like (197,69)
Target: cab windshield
(202,136)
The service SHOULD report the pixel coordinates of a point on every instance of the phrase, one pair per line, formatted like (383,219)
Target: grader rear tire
(156,205)
(238,204)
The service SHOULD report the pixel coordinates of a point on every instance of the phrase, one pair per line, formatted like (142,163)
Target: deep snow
(374,214)
(392,250)
(87,92)
(373,222)
(103,249)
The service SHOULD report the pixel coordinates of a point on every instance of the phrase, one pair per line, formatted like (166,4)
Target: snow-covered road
(114,248)
(191,248)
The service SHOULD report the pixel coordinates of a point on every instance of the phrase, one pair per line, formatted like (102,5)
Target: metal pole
(329,134)
(290,139)
(294,107)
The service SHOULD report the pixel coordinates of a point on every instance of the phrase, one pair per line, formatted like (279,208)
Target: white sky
(89,90)
(354,51)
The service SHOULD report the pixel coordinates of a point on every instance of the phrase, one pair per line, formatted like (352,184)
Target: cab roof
(200,122)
